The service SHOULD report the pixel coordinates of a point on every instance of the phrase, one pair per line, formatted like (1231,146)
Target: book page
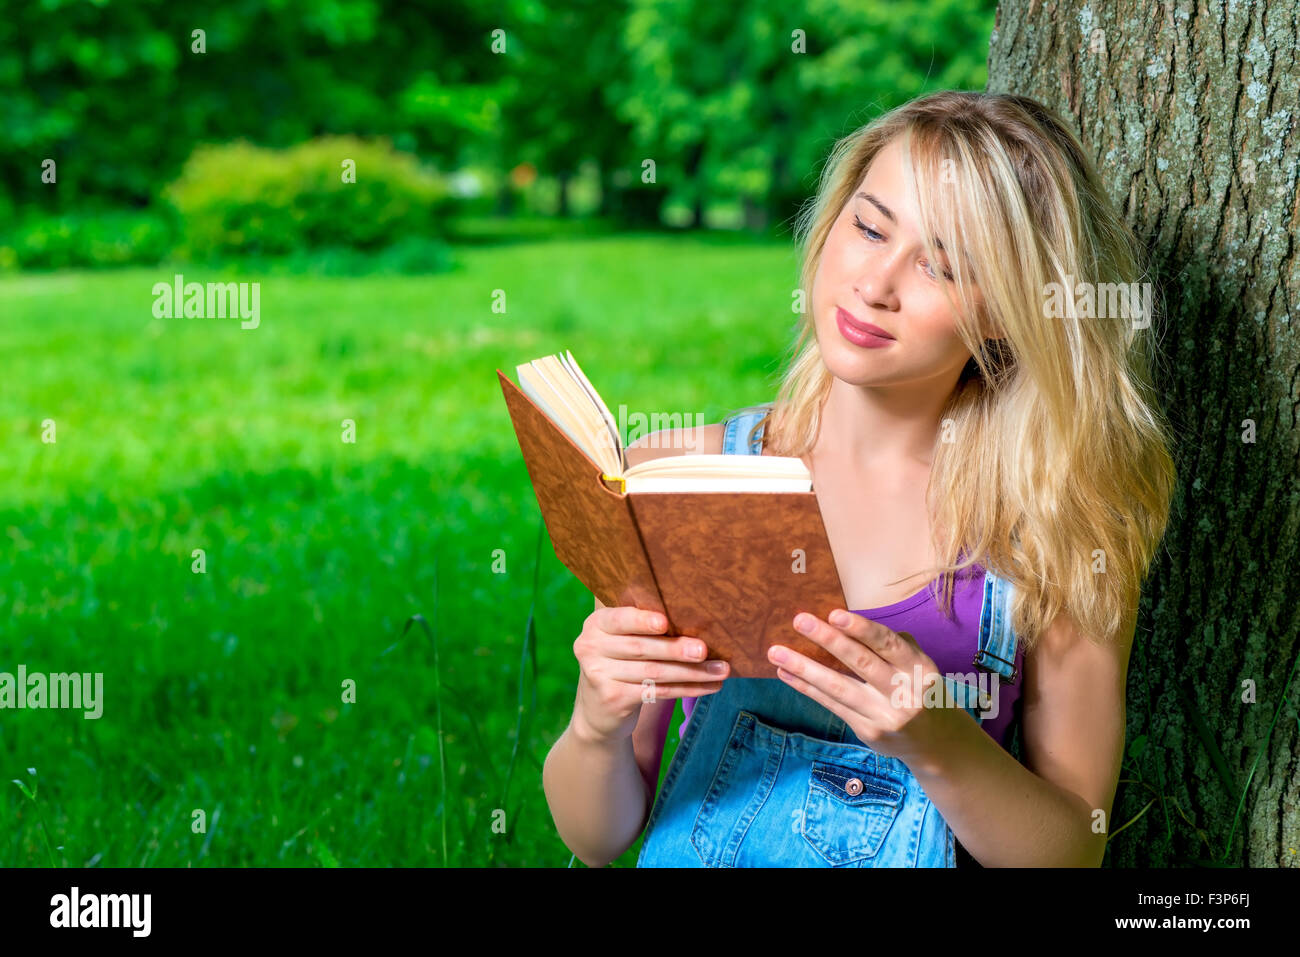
(723,466)
(690,483)
(540,384)
(534,386)
(616,440)
(720,473)
(594,433)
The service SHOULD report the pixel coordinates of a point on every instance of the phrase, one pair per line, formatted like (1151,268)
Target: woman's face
(874,268)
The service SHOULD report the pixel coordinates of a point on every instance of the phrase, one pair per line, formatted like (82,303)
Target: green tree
(557,114)
(117,94)
(744,100)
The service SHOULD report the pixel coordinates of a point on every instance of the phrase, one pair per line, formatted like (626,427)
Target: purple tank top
(952,644)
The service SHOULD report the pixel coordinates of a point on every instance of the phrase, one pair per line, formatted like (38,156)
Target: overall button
(853,786)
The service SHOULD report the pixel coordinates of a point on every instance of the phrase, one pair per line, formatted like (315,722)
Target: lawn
(225,738)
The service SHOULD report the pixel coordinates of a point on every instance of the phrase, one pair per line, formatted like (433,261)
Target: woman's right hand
(626,661)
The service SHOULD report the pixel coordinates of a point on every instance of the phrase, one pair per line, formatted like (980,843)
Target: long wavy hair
(1058,475)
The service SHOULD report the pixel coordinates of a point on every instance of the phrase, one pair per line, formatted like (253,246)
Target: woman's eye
(873,235)
(866,230)
(930,272)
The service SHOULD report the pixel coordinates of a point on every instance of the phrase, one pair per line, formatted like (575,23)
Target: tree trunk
(505,198)
(562,208)
(693,159)
(635,206)
(611,199)
(1190,111)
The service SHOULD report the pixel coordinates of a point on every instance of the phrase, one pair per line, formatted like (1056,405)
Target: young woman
(963,410)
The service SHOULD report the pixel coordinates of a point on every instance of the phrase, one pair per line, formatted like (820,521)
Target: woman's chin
(853,364)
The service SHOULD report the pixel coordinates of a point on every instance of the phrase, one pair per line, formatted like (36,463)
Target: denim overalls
(767,777)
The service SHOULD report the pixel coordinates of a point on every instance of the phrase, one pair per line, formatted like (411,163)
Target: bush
(117,238)
(240,199)
(410,256)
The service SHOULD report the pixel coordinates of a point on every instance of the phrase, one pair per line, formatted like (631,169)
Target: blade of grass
(437,701)
(301,831)
(40,816)
(1130,820)
(530,642)
(1207,739)
(465,707)
(1258,754)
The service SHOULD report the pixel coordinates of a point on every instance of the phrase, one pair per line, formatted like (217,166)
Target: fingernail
(717,667)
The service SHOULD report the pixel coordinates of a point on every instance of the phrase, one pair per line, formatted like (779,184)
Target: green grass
(223,690)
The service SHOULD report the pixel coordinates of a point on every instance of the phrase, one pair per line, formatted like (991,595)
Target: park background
(497,146)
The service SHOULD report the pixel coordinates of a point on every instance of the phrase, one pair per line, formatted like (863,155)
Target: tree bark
(1190,110)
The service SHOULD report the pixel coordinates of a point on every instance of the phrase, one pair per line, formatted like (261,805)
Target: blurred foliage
(746,99)
(737,103)
(412,255)
(238,199)
(115,92)
(70,240)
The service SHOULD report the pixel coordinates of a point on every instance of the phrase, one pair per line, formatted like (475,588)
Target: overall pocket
(849,809)
(742,781)
(777,798)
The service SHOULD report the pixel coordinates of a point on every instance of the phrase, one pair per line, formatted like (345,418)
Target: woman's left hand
(886,708)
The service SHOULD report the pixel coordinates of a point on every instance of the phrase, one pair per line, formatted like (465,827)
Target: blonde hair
(1060,466)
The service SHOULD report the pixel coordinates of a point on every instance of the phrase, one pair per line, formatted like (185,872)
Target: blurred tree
(117,95)
(724,99)
(557,115)
(744,100)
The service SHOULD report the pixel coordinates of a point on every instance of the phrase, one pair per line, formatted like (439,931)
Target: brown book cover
(730,568)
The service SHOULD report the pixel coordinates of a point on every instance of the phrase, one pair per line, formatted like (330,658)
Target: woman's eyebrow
(888,214)
(884,210)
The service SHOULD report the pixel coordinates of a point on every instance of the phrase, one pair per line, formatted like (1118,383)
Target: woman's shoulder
(698,440)
(692,440)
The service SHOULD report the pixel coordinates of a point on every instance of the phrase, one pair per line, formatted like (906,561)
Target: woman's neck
(882,428)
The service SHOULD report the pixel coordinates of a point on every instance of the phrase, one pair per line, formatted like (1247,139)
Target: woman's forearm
(596,794)
(1003,813)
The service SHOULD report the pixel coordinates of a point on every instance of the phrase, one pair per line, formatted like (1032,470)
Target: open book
(558,386)
(727,550)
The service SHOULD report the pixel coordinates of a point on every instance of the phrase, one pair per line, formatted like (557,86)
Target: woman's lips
(861,333)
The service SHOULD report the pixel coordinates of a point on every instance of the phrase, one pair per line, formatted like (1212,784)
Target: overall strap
(997,651)
(997,643)
(736,438)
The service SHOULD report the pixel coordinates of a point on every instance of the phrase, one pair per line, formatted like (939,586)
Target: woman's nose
(877,285)
(878,279)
